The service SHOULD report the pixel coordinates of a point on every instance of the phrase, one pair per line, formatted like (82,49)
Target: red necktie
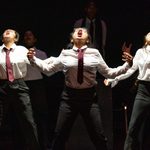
(80,66)
(9,69)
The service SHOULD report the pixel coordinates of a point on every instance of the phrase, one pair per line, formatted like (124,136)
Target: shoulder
(22,48)
(140,50)
(41,52)
(1,47)
(93,50)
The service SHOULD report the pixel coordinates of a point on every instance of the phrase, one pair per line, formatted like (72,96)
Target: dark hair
(89,2)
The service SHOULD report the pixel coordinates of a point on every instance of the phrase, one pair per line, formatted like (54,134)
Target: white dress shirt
(68,63)
(19,61)
(32,72)
(141,62)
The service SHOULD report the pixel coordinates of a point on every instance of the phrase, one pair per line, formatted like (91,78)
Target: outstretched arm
(127,57)
(48,66)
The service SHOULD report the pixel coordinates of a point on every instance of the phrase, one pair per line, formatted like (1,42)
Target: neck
(79,45)
(8,45)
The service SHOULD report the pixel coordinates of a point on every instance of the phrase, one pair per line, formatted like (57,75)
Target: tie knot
(7,50)
(80,50)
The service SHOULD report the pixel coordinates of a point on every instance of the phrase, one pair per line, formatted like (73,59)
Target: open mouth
(79,33)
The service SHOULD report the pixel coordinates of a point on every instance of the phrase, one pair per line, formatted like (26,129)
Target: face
(91,10)
(80,37)
(147,39)
(29,39)
(80,34)
(9,35)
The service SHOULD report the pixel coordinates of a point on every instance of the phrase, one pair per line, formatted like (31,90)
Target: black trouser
(140,111)
(83,102)
(15,96)
(39,103)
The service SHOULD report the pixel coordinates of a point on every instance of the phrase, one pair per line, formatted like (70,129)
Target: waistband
(80,90)
(144,82)
(4,81)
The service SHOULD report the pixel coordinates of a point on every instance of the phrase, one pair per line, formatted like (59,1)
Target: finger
(130,45)
(124,59)
(123,46)
(127,54)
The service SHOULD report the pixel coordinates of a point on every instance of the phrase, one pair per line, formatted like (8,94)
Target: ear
(87,41)
(71,40)
(16,40)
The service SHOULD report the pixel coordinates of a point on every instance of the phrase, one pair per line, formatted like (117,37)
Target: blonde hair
(146,42)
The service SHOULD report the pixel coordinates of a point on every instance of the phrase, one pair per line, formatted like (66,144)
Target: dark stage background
(52,21)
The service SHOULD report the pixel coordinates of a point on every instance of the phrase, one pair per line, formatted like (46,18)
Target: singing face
(9,35)
(80,34)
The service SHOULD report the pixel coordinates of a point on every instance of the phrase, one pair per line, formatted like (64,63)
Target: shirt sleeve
(49,66)
(108,72)
(130,71)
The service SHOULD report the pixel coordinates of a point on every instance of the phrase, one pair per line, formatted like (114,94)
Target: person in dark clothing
(96,26)
(36,82)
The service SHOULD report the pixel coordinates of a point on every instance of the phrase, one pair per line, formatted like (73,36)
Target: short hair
(89,2)
(17,35)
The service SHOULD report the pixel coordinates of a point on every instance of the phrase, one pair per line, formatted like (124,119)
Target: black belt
(144,82)
(80,90)
(4,81)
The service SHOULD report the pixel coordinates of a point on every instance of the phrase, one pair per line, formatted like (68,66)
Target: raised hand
(126,53)
(31,53)
(126,48)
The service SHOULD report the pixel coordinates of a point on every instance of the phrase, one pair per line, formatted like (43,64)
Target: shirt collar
(12,47)
(76,48)
(148,47)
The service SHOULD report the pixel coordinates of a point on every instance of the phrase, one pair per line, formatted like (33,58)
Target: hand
(127,57)
(107,82)
(126,48)
(31,53)
(126,53)
(113,82)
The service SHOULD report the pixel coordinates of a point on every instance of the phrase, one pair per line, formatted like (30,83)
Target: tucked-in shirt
(32,72)
(68,63)
(141,62)
(19,61)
